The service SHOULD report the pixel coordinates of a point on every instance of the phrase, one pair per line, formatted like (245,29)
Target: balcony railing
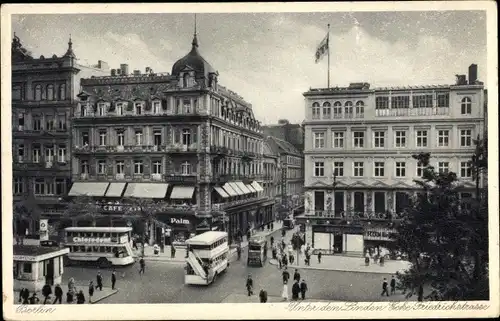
(120,149)
(28,165)
(182,148)
(368,215)
(426,111)
(181,178)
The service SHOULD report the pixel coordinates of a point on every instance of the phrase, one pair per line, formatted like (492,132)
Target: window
(20,121)
(85,139)
(422,101)
(38,92)
(443,138)
(62,92)
(337,110)
(138,108)
(84,167)
(338,140)
(102,138)
(157,167)
(358,169)
(120,137)
(358,139)
(156,107)
(186,137)
(379,139)
(101,166)
(119,109)
(400,138)
(360,109)
(120,167)
(315,111)
(61,122)
(465,138)
(319,140)
(348,109)
(18,185)
(186,168)
(61,154)
(49,187)
(466,106)
(101,109)
(186,106)
(27,268)
(338,169)
(138,137)
(382,102)
(400,102)
(443,100)
(20,152)
(16,92)
(60,186)
(466,169)
(379,169)
(138,167)
(36,154)
(157,137)
(37,123)
(50,92)
(421,138)
(327,110)
(400,169)
(50,124)
(420,169)
(319,169)
(39,186)
(443,167)
(83,110)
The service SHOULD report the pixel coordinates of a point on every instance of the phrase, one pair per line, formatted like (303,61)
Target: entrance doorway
(49,272)
(338,243)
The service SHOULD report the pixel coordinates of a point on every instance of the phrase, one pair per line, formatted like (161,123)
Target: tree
(24,211)
(441,235)
(83,208)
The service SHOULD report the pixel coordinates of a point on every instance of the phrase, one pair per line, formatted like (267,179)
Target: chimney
(148,70)
(461,80)
(472,74)
(113,72)
(124,68)
(118,72)
(137,72)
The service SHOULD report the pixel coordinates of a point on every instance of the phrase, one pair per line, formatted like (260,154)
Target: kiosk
(35,266)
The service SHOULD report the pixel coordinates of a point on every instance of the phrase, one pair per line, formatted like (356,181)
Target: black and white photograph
(317,160)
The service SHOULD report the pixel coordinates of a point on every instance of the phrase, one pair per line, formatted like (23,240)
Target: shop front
(338,238)
(377,238)
(178,228)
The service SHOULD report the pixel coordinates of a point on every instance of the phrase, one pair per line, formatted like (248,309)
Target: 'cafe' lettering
(91,240)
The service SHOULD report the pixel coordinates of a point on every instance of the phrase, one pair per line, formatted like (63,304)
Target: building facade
(359,144)
(271,176)
(43,94)
(179,138)
(284,130)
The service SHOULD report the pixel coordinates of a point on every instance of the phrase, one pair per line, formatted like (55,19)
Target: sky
(268,58)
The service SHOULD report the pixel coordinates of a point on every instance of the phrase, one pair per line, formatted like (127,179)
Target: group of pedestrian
(299,288)
(385,286)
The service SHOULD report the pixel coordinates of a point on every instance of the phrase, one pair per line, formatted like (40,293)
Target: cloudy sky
(268,58)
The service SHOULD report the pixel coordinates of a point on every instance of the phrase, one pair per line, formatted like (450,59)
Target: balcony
(192,148)
(223,178)
(119,149)
(220,151)
(27,165)
(41,103)
(180,178)
(21,132)
(416,112)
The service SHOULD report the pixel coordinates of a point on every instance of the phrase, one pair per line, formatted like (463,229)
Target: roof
(207,237)
(268,150)
(194,60)
(283,145)
(32,250)
(99,229)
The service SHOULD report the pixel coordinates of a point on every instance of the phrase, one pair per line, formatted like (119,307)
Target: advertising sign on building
(379,234)
(44,230)
(174,220)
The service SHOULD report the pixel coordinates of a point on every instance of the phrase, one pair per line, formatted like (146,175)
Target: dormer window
(156,107)
(185,80)
(83,110)
(186,106)
(119,109)
(138,108)
(101,109)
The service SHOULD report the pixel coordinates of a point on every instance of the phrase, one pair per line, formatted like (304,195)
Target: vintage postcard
(250,161)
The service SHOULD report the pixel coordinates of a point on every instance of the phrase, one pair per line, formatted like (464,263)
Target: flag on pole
(322,48)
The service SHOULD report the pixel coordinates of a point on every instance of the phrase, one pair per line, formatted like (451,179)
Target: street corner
(101,295)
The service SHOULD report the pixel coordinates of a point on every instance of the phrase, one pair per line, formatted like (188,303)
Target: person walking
(285,260)
(319,256)
(272,241)
(46,292)
(91,291)
(71,285)
(384,287)
(58,292)
(24,296)
(134,243)
(284,293)
(393,285)
(263,296)
(280,261)
(238,251)
(80,298)
(113,279)
(283,232)
(303,289)
(295,290)
(34,299)
(142,264)
(69,297)
(249,285)
(99,281)
(296,275)
(285,275)
(172,251)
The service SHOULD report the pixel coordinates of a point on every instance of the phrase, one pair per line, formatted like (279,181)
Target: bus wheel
(103,262)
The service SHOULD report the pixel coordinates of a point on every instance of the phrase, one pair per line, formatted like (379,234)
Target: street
(164,283)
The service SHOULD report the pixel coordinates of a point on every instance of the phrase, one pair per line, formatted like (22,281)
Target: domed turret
(194,61)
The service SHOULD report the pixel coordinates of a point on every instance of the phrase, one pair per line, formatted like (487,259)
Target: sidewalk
(243,298)
(98,295)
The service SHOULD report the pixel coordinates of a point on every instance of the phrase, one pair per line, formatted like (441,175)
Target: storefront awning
(115,190)
(182,192)
(229,190)
(257,186)
(236,188)
(146,190)
(250,187)
(243,187)
(88,189)
(221,192)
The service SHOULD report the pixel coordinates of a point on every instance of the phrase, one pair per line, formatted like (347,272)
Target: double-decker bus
(105,245)
(207,256)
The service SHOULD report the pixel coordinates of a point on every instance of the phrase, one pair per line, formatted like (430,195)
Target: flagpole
(328,43)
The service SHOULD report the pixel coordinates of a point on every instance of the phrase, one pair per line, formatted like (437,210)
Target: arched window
(316,111)
(50,92)
(62,92)
(466,106)
(360,109)
(185,80)
(38,92)
(327,110)
(348,109)
(337,110)
(315,104)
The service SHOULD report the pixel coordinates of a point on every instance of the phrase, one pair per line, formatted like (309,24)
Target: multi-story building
(291,183)
(43,94)
(271,177)
(291,133)
(178,137)
(359,144)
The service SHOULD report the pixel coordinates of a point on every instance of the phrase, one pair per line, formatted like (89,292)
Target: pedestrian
(292,257)
(263,296)
(91,291)
(69,297)
(80,298)
(285,260)
(283,232)
(134,243)
(142,264)
(420,293)
(272,226)
(303,289)
(280,261)
(285,275)
(296,275)
(46,292)
(238,251)
(113,279)
(172,251)
(319,257)
(249,234)
(295,290)
(284,293)
(384,287)
(71,285)
(99,281)
(58,292)
(156,249)
(24,296)
(34,299)
(272,241)
(393,285)
(249,285)
(283,244)
(274,251)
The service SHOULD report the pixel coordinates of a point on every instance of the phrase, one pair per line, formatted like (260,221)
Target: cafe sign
(379,234)
(91,240)
(174,220)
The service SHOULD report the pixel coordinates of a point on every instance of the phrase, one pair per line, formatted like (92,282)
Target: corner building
(359,143)
(180,138)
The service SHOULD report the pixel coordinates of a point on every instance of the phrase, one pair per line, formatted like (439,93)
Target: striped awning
(243,187)
(229,190)
(88,189)
(250,187)
(257,186)
(146,190)
(236,188)
(182,192)
(115,189)
(221,192)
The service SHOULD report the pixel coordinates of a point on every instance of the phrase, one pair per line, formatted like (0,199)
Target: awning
(88,189)
(221,192)
(250,187)
(182,192)
(257,186)
(236,188)
(243,187)
(229,190)
(146,190)
(115,190)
